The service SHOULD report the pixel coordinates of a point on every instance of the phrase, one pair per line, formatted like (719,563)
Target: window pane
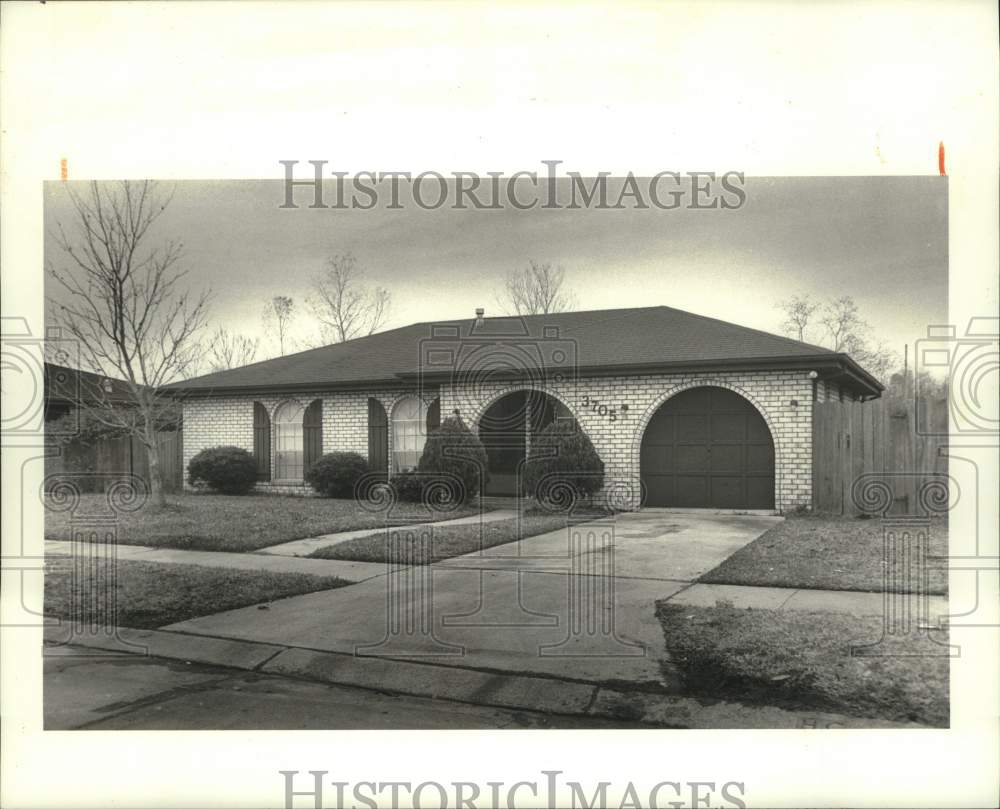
(408,433)
(290,413)
(288,460)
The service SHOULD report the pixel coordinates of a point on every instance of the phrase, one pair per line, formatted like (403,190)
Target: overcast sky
(882,240)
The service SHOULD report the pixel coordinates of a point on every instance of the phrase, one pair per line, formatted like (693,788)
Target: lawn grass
(828,553)
(800,659)
(208,522)
(152,594)
(448,541)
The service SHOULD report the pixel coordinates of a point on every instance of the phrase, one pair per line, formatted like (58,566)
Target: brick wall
(827,391)
(229,420)
(618,442)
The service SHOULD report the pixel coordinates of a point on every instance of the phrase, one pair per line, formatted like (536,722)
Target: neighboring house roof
(605,341)
(72,386)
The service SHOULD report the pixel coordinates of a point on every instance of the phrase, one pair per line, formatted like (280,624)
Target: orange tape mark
(941,159)
(63,169)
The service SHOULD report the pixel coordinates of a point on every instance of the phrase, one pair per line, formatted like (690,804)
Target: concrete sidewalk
(593,705)
(348,571)
(849,602)
(303,547)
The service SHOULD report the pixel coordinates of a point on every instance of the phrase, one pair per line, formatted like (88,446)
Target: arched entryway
(505,429)
(708,447)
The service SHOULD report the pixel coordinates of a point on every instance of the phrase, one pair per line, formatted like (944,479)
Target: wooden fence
(880,450)
(92,466)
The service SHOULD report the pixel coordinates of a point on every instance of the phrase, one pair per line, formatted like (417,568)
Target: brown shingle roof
(619,340)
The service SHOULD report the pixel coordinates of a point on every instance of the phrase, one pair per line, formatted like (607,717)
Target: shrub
(408,486)
(337,473)
(456,454)
(563,467)
(227,470)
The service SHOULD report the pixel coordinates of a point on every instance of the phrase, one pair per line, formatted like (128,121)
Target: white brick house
(684,411)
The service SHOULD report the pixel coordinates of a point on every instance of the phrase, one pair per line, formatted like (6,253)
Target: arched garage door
(708,447)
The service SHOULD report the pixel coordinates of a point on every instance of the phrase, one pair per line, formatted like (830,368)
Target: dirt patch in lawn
(446,541)
(146,595)
(219,523)
(803,660)
(831,553)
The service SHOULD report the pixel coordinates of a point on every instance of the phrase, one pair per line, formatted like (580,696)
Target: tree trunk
(155,474)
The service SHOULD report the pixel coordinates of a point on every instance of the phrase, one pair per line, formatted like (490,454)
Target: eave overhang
(828,366)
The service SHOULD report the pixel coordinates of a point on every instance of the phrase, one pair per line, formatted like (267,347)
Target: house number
(611,413)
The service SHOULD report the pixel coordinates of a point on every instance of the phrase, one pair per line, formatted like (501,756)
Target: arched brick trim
(496,396)
(473,423)
(281,402)
(701,383)
(389,402)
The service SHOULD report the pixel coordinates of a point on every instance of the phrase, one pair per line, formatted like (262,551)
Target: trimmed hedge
(337,473)
(455,453)
(226,470)
(563,467)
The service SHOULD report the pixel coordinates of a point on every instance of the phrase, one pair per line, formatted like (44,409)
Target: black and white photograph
(357,449)
(367,465)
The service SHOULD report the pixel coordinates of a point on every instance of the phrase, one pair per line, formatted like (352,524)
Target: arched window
(409,432)
(288,456)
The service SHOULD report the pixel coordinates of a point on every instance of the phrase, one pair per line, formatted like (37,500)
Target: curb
(436,682)
(235,654)
(430,680)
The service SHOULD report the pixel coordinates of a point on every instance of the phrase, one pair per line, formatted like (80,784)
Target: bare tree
(278,316)
(345,307)
(845,329)
(126,305)
(875,357)
(537,290)
(230,350)
(799,313)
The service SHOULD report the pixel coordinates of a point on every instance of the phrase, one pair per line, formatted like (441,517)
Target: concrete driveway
(577,604)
